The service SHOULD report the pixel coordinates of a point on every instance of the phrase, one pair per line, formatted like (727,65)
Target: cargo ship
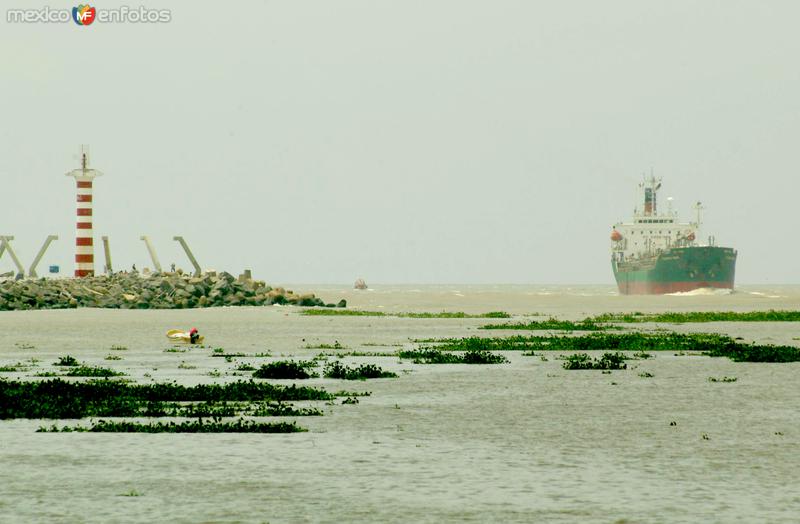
(656,254)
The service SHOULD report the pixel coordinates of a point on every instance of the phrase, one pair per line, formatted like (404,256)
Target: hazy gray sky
(405,141)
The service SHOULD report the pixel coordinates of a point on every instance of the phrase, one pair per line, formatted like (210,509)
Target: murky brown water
(527,441)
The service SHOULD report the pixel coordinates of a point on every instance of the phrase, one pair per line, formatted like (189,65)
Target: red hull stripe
(84,258)
(85,212)
(84,273)
(85,183)
(84,225)
(84,241)
(84,198)
(662,288)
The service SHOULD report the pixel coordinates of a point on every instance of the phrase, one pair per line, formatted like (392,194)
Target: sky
(422,141)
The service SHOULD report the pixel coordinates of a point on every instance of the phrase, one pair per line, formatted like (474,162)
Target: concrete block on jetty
(153,291)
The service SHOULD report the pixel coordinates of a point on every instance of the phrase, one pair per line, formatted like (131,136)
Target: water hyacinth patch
(723,379)
(365,371)
(711,344)
(441,314)
(286,369)
(279,409)
(66,361)
(12,368)
(199,426)
(435,356)
(92,371)
(756,353)
(60,399)
(552,324)
(701,316)
(584,361)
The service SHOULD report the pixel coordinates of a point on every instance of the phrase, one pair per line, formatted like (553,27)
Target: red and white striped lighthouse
(84,240)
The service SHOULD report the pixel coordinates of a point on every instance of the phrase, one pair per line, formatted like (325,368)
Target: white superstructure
(652,231)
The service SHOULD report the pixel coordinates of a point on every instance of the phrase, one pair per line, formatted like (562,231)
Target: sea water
(521,442)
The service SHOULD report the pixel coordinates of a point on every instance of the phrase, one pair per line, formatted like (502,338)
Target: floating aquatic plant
(12,368)
(436,356)
(584,361)
(279,409)
(335,345)
(92,371)
(441,314)
(712,344)
(701,316)
(552,324)
(365,371)
(66,361)
(61,399)
(345,393)
(286,369)
(723,379)
(199,426)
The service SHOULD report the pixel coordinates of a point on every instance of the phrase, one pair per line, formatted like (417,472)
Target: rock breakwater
(154,291)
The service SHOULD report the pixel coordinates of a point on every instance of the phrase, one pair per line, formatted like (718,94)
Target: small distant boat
(360,284)
(179,335)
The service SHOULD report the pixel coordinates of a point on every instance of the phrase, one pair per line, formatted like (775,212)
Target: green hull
(677,270)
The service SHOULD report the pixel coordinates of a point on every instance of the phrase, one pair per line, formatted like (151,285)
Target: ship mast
(650,187)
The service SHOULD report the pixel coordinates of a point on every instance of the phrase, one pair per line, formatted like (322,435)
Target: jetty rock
(153,291)
(360,284)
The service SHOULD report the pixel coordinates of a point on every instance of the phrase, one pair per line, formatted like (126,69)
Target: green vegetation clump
(66,361)
(345,393)
(584,361)
(60,399)
(324,355)
(756,353)
(711,344)
(279,409)
(701,316)
(552,324)
(338,370)
(436,356)
(442,314)
(638,342)
(723,379)
(286,369)
(11,368)
(92,371)
(335,345)
(199,426)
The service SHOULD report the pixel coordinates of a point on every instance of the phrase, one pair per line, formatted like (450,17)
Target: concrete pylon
(152,250)
(107,251)
(185,246)
(5,241)
(40,254)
